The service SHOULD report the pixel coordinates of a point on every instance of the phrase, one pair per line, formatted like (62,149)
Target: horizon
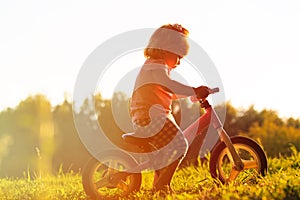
(69,100)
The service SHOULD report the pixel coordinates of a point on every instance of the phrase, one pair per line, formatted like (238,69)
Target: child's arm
(178,89)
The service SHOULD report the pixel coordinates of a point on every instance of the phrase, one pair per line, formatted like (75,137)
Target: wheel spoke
(250,164)
(123,186)
(233,174)
(102,183)
(229,156)
(105,180)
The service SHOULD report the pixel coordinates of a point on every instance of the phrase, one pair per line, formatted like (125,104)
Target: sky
(254,44)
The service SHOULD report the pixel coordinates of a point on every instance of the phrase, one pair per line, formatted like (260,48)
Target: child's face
(172,60)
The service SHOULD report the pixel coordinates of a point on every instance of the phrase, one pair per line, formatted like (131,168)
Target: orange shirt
(154,91)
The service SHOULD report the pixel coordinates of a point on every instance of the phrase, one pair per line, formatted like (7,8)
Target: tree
(29,128)
(274,134)
(70,154)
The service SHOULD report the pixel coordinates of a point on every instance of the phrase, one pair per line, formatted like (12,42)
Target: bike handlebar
(211,91)
(214,90)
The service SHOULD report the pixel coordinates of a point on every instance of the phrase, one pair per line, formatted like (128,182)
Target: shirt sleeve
(162,77)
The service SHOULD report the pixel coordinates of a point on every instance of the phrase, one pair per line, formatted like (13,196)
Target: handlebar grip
(214,90)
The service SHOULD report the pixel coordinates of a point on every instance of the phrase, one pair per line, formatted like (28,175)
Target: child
(151,101)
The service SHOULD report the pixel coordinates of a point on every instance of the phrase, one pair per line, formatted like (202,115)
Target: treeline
(37,137)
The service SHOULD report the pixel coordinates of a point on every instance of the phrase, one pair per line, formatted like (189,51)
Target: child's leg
(163,177)
(172,146)
(156,177)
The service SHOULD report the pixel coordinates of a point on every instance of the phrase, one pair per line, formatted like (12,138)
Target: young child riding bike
(152,97)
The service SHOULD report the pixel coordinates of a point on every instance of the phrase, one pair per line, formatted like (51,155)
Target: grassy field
(281,182)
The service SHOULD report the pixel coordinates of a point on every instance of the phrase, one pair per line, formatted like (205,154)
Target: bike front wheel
(97,177)
(253,157)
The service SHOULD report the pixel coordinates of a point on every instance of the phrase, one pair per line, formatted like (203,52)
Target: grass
(61,186)
(281,182)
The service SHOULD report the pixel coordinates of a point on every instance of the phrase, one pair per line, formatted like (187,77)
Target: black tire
(95,170)
(220,165)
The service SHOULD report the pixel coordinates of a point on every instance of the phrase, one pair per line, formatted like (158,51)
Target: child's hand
(201,92)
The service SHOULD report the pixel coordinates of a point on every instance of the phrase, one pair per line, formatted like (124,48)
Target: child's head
(168,39)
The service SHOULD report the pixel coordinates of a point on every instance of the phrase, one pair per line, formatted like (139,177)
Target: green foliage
(69,153)
(275,136)
(27,131)
(38,137)
(281,182)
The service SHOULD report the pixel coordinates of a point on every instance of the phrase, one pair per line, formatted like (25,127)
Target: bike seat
(136,139)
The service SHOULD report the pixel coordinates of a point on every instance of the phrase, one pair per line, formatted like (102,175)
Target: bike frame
(199,126)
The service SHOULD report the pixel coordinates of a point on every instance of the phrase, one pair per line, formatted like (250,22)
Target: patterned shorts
(165,136)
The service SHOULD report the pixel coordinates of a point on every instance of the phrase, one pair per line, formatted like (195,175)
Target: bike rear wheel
(97,176)
(252,155)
